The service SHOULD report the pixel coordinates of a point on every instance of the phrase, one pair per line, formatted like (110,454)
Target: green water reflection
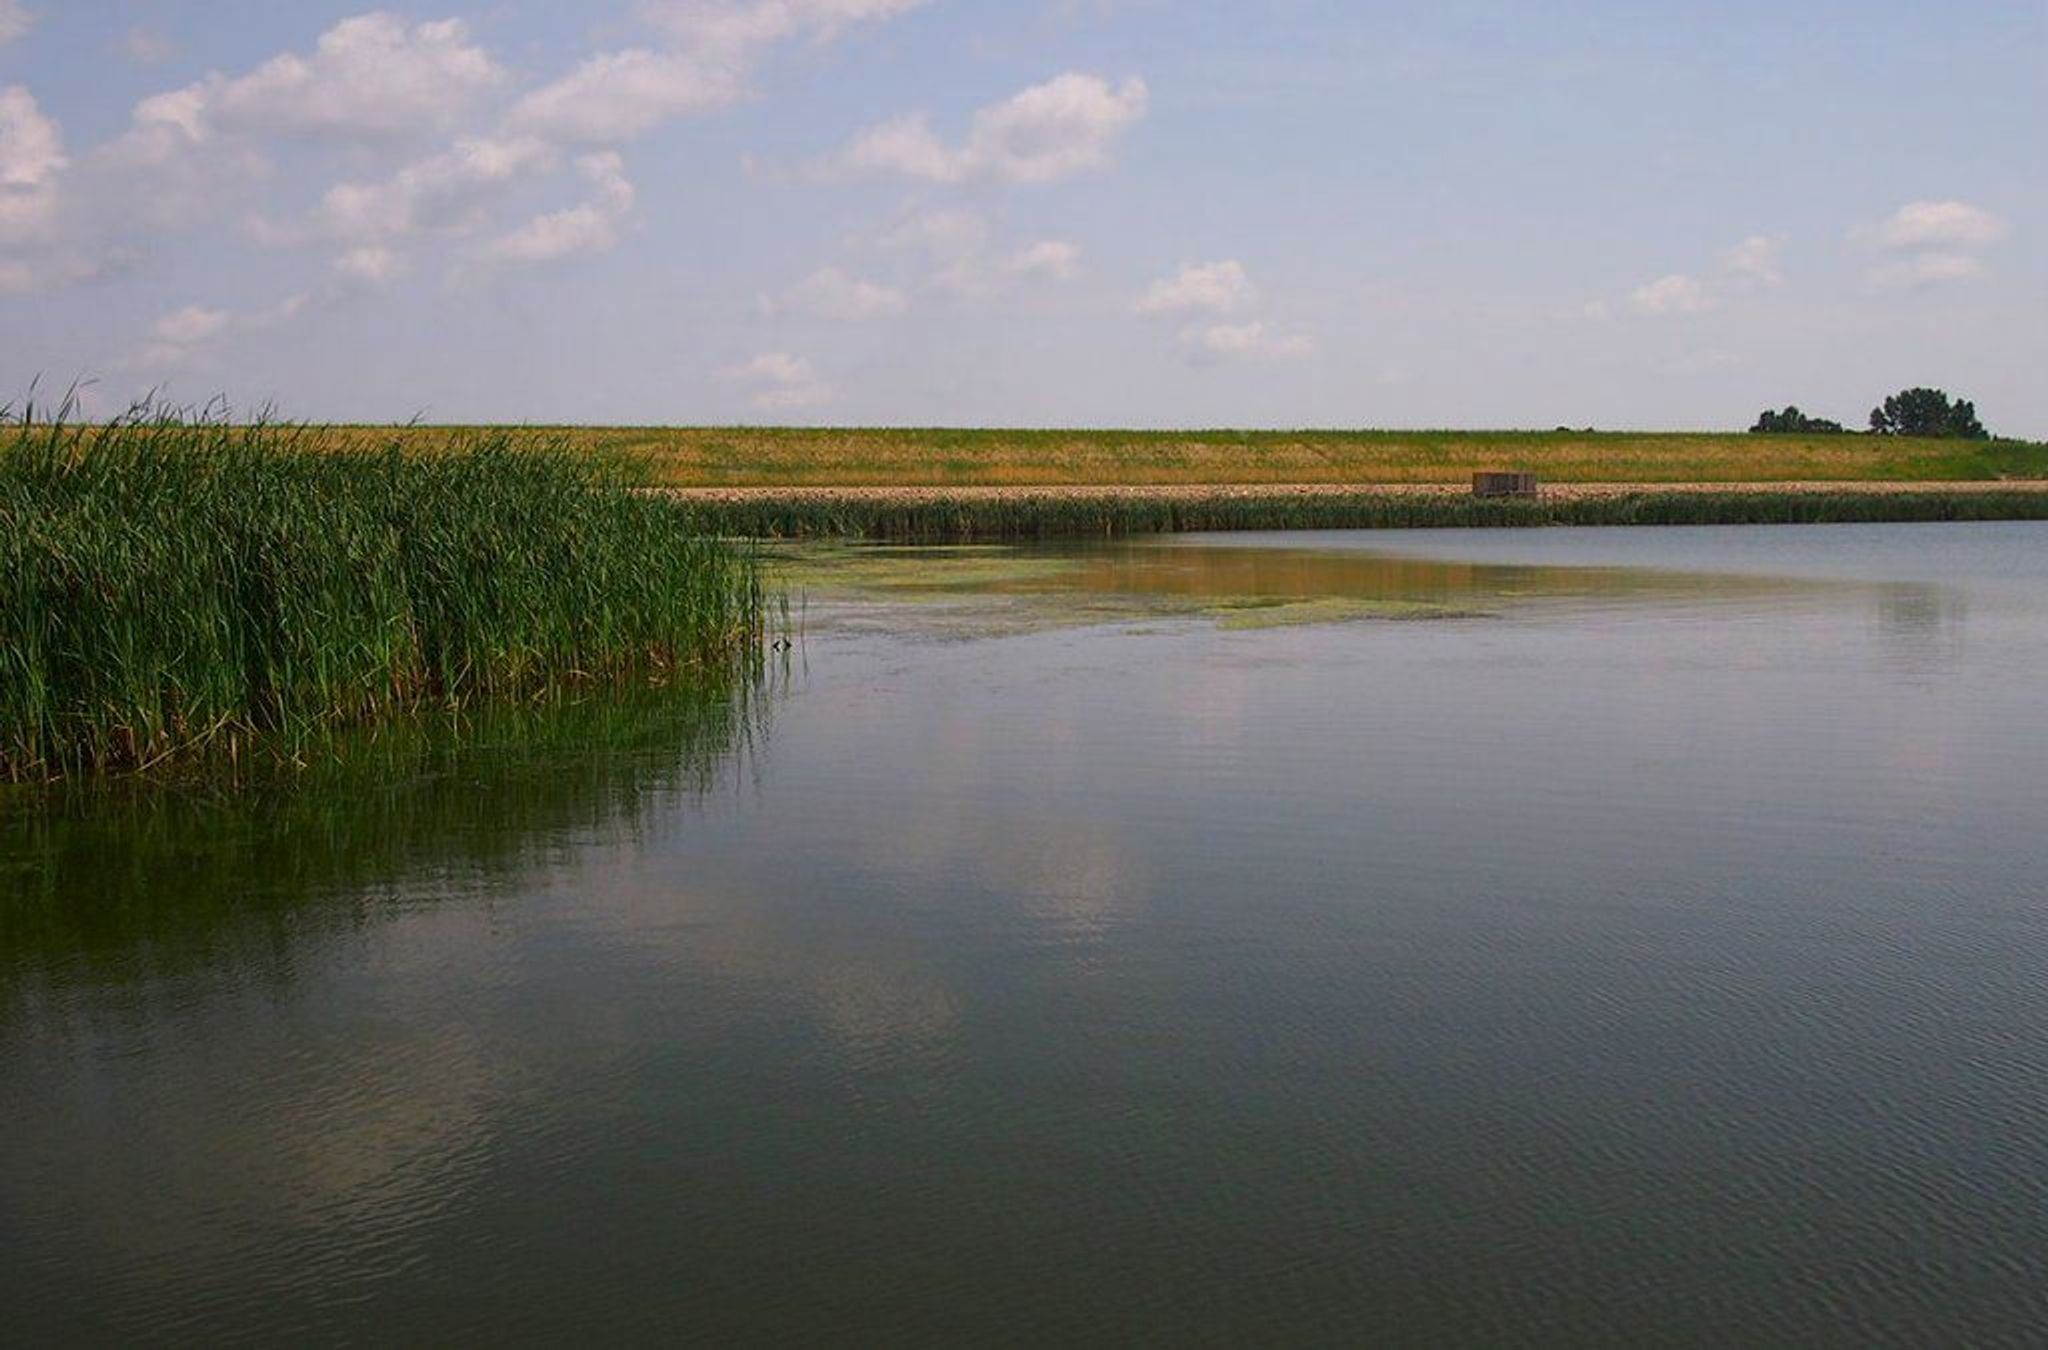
(133,879)
(995,588)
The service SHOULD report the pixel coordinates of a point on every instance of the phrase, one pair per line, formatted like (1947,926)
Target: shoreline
(992,513)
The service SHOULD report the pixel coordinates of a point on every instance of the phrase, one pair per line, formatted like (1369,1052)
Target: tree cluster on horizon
(1921,412)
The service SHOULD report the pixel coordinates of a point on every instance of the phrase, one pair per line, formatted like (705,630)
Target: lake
(1633,936)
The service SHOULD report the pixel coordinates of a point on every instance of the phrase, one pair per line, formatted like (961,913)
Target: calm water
(1613,936)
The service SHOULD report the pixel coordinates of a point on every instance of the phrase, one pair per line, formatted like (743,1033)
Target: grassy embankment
(168,586)
(686,457)
(944,485)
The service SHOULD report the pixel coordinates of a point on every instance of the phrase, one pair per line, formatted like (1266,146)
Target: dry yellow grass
(749,457)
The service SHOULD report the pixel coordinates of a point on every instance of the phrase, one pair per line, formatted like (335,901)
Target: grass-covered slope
(745,457)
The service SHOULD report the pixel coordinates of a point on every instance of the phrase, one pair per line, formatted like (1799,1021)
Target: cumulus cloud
(1212,288)
(830,293)
(15,20)
(1755,264)
(50,271)
(369,84)
(619,95)
(1932,244)
(1256,341)
(164,130)
(1932,268)
(1047,260)
(962,260)
(1946,225)
(31,158)
(443,192)
(781,382)
(1674,294)
(372,265)
(191,325)
(712,49)
(592,227)
(738,27)
(1068,125)
(186,334)
(1757,260)
(372,76)
(1218,289)
(371,80)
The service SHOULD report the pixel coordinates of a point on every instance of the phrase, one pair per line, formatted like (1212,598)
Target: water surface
(1565,936)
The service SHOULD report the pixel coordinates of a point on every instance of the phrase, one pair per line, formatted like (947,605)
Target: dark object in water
(1504,485)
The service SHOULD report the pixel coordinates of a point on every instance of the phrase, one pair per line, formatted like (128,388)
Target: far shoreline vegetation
(1922,413)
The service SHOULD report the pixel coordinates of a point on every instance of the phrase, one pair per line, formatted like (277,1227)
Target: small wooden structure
(1495,484)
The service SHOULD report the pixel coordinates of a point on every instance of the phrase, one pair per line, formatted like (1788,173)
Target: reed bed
(170,583)
(939,518)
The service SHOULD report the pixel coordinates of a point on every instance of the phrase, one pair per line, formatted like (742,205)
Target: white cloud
(619,95)
(192,324)
(713,48)
(54,271)
(31,146)
(445,192)
(186,334)
(372,264)
(31,158)
(962,261)
(1254,341)
(1932,268)
(737,28)
(1674,294)
(1940,225)
(783,383)
(943,232)
(162,130)
(830,293)
(373,79)
(1756,261)
(372,76)
(169,168)
(1047,260)
(1218,289)
(1213,288)
(1068,125)
(592,227)
(15,20)
(1753,265)
(1933,243)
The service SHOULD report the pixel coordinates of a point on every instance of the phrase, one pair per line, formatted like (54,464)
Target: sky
(1171,213)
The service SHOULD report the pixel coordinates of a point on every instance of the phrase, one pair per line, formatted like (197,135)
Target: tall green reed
(936,518)
(170,581)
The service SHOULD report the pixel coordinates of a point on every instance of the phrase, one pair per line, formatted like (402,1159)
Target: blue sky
(1036,212)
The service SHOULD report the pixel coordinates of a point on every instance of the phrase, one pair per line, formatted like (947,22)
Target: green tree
(1927,412)
(1793,422)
